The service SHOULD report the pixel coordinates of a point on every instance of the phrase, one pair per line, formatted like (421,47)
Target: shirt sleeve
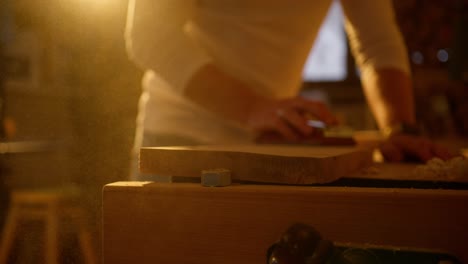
(374,36)
(156,39)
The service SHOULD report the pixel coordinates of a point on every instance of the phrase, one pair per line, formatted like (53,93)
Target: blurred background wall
(70,92)
(71,84)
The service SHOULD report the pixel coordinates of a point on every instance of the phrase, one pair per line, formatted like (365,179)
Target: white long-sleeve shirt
(263,43)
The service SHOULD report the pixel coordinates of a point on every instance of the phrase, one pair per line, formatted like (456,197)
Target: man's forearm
(389,93)
(235,100)
(222,94)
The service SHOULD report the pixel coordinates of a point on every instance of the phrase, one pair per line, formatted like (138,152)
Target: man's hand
(288,118)
(402,147)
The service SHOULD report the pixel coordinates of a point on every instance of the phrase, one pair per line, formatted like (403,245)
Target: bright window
(328,58)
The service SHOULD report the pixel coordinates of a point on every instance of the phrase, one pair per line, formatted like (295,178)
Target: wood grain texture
(187,223)
(259,163)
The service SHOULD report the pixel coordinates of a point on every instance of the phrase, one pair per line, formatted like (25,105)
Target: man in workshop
(229,71)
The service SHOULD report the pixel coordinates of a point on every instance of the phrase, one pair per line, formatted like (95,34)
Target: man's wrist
(402,128)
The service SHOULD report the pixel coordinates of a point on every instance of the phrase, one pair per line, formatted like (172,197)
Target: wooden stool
(50,206)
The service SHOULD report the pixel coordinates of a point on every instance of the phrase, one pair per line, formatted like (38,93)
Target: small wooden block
(216,178)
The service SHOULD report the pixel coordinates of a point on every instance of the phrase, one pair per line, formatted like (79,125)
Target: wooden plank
(187,223)
(259,163)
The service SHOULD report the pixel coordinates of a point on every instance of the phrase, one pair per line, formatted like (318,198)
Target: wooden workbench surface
(148,222)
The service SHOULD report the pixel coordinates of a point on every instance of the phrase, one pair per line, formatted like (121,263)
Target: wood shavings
(453,169)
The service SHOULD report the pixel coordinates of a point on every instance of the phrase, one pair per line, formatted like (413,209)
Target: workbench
(149,222)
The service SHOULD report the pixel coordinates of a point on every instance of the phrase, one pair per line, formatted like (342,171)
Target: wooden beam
(188,223)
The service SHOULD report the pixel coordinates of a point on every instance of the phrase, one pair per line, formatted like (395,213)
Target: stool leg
(84,236)
(9,233)
(51,238)
(86,246)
